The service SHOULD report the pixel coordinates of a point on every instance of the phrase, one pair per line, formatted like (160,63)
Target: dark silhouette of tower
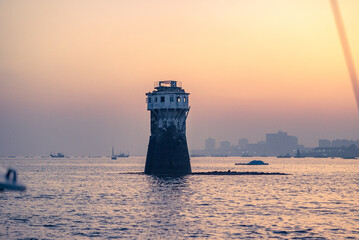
(167,149)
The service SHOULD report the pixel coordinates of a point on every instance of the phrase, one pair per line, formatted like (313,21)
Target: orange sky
(79,70)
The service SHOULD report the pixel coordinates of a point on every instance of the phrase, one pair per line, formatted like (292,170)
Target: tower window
(149,99)
(184,99)
(155,99)
(162,99)
(171,99)
(178,99)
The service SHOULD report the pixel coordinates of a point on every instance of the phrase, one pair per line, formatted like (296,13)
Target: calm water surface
(83,197)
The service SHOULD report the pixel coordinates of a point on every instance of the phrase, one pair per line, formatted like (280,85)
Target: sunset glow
(80,70)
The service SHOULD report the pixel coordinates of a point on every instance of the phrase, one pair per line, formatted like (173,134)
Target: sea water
(97,198)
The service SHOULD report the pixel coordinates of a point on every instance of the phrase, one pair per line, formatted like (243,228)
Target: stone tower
(167,149)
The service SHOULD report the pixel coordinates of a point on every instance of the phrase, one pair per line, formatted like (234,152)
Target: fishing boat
(58,155)
(113,157)
(122,155)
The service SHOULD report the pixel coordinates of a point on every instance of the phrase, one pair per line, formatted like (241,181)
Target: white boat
(58,155)
(122,155)
(113,157)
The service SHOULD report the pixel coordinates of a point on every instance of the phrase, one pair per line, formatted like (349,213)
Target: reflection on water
(84,198)
(167,199)
(167,189)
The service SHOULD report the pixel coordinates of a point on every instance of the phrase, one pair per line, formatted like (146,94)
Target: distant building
(327,152)
(209,148)
(210,145)
(344,152)
(324,143)
(280,143)
(225,145)
(257,149)
(243,143)
(344,143)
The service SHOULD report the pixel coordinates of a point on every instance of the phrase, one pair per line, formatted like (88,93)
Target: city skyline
(274,144)
(320,142)
(224,143)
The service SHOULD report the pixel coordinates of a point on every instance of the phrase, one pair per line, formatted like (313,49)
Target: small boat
(58,155)
(122,155)
(254,162)
(113,157)
(8,180)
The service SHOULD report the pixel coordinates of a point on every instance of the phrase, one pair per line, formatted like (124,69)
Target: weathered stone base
(168,153)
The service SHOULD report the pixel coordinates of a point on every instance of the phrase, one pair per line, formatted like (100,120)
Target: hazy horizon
(73,75)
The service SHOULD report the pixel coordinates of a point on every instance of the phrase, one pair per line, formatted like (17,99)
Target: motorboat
(58,155)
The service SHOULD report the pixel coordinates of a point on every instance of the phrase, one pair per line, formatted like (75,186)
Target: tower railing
(168,83)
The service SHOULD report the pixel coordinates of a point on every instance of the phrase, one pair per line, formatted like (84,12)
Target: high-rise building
(281,143)
(324,143)
(210,145)
(225,145)
(243,142)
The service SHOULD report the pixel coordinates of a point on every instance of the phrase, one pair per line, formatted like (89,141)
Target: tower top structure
(167,95)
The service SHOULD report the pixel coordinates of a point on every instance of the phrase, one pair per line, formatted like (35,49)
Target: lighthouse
(167,149)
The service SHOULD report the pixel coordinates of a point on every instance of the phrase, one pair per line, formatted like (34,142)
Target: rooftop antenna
(346,49)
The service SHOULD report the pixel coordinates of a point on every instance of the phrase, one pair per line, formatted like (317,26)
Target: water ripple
(87,198)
